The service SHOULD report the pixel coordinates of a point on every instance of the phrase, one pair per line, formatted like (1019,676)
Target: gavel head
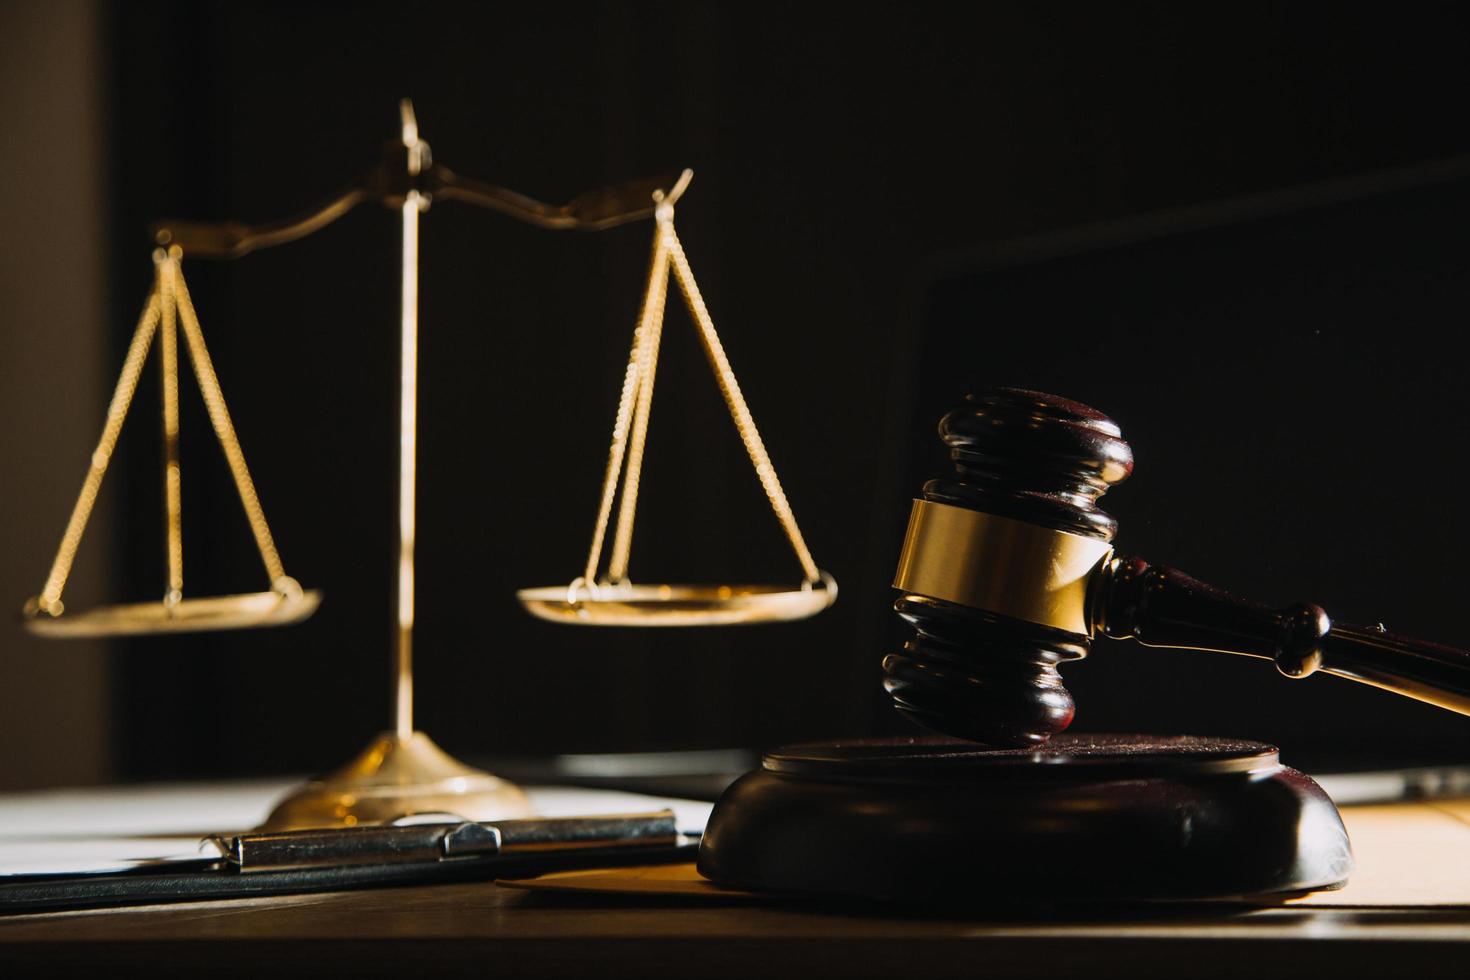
(996,565)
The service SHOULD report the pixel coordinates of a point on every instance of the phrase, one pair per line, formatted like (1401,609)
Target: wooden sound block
(1086,818)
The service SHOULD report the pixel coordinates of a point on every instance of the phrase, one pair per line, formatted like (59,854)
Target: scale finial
(409,121)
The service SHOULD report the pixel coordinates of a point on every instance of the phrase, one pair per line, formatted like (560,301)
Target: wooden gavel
(1008,571)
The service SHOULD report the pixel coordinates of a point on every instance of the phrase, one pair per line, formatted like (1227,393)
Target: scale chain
(631,383)
(224,430)
(635,402)
(49,601)
(172,477)
(653,322)
(739,411)
(168,308)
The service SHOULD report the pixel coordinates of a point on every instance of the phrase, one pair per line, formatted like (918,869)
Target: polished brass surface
(627,604)
(394,777)
(1003,566)
(611,599)
(168,309)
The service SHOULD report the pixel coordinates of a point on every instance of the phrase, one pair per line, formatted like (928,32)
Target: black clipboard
(214,878)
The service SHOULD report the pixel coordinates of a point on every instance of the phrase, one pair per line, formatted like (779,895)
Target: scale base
(1085,819)
(392,778)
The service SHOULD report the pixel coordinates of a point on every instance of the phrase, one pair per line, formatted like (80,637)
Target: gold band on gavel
(1003,566)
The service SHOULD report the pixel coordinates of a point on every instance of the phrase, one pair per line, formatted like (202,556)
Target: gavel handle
(1439,675)
(1163,607)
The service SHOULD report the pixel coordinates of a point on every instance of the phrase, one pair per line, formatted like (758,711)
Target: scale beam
(397,176)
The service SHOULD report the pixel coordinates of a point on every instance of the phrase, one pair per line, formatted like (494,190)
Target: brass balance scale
(402,771)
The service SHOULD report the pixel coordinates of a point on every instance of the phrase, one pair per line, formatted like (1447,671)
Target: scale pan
(677,605)
(223,612)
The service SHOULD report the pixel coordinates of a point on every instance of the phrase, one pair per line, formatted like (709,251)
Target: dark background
(1237,228)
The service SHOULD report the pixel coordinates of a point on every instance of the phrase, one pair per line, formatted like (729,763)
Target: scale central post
(402,772)
(408,398)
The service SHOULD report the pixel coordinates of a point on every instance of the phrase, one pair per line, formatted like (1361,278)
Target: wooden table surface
(490,929)
(1406,913)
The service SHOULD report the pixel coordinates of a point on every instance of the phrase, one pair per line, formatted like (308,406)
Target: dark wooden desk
(490,930)
(1406,913)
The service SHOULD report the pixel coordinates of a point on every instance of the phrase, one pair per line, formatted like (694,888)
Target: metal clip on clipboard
(436,842)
